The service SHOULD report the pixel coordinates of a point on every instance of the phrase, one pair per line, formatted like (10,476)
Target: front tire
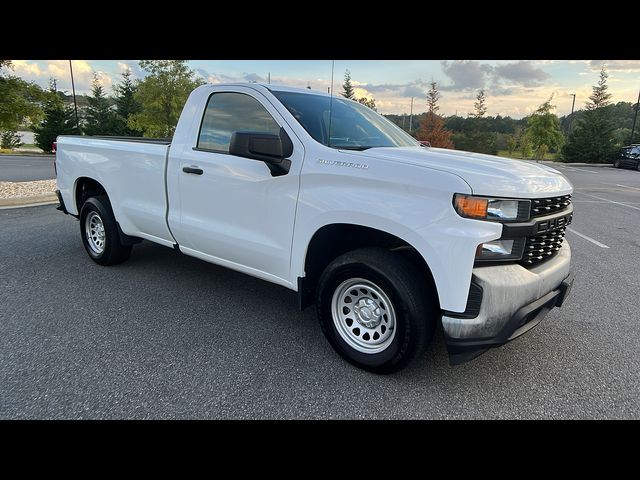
(376,309)
(99,232)
(616,163)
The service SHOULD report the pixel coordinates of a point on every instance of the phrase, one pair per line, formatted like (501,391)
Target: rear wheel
(376,309)
(638,166)
(99,232)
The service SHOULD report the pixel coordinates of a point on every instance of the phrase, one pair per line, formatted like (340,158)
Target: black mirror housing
(272,149)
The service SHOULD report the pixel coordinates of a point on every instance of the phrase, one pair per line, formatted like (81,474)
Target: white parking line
(610,201)
(595,242)
(627,186)
(574,168)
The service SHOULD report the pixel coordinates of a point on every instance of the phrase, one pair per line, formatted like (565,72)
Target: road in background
(168,336)
(24,168)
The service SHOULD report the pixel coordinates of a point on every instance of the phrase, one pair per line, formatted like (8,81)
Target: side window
(232,112)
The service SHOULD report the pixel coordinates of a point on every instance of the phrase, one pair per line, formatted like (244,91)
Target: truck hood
(485,174)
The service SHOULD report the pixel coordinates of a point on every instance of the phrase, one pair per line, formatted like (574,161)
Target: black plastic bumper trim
(61,205)
(474,302)
(523,320)
(538,225)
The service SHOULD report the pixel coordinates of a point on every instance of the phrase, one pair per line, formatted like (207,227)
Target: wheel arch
(333,239)
(84,188)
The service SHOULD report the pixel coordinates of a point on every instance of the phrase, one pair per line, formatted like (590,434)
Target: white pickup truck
(328,198)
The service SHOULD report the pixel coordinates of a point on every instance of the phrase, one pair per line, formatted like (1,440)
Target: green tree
(100,119)
(20,101)
(347,88)
(544,130)
(162,94)
(512,143)
(126,105)
(525,146)
(480,105)
(592,139)
(58,120)
(368,102)
(10,139)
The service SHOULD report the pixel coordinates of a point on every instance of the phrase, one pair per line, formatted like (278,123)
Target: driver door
(232,210)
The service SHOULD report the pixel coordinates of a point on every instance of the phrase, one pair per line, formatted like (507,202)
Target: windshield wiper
(352,147)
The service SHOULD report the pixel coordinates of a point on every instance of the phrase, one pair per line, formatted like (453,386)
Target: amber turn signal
(471,207)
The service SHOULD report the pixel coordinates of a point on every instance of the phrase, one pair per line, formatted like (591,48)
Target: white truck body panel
(239,216)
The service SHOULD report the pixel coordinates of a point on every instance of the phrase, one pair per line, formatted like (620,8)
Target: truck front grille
(547,206)
(538,248)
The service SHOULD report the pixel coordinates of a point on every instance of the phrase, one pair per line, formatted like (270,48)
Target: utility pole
(411,117)
(269,81)
(571,116)
(73,88)
(635,117)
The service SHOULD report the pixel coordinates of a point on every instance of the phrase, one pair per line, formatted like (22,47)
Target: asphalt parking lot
(25,168)
(168,336)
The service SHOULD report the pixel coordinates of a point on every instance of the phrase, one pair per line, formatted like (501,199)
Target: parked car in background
(628,157)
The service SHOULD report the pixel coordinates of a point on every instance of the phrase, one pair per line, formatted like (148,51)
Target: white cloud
(59,69)
(615,65)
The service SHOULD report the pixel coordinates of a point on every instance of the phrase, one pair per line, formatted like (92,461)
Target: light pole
(571,116)
(73,89)
(635,117)
(411,116)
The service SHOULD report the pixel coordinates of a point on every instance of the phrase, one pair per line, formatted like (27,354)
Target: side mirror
(272,149)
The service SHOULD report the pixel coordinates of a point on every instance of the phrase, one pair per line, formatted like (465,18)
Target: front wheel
(616,163)
(376,309)
(99,232)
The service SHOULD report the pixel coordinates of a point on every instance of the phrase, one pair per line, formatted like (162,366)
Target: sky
(513,87)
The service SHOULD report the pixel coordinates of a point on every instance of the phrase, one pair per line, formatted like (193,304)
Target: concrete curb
(27,201)
(28,154)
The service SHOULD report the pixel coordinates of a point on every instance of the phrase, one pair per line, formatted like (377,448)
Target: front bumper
(514,299)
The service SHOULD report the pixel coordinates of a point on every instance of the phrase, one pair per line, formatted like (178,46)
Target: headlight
(498,250)
(495,209)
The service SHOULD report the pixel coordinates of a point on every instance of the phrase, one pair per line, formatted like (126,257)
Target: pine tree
(432,125)
(433,95)
(100,119)
(58,120)
(480,139)
(347,88)
(600,97)
(126,105)
(592,138)
(480,107)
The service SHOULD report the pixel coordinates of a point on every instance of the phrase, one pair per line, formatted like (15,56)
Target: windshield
(353,126)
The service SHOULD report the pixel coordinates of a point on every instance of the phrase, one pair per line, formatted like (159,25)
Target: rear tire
(99,232)
(376,309)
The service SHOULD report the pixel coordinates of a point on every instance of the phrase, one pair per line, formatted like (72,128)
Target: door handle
(193,170)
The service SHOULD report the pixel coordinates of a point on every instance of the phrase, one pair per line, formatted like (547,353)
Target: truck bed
(131,169)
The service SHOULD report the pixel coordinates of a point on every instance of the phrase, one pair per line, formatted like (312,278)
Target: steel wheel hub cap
(367,313)
(94,229)
(363,315)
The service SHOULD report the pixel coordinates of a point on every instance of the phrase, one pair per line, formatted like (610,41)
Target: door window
(232,112)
